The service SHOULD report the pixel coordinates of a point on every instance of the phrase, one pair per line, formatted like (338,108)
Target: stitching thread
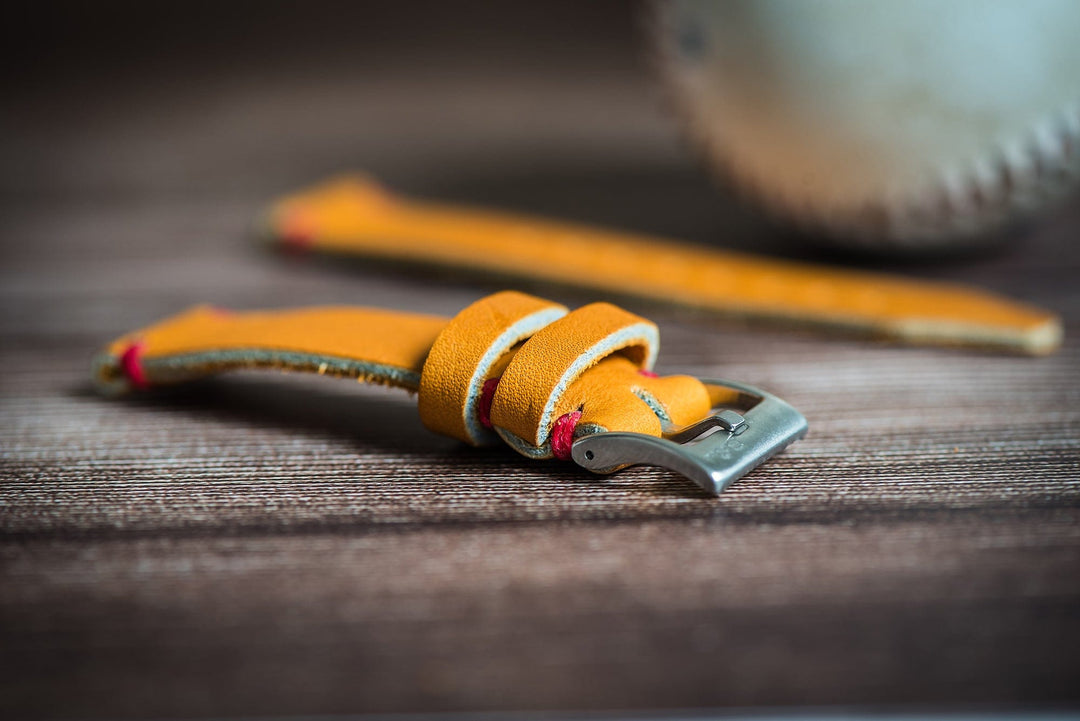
(487,393)
(296,234)
(131,365)
(562,435)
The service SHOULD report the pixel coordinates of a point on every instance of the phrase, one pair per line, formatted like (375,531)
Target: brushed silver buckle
(746,427)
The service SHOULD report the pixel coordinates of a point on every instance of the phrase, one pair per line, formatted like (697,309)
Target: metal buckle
(746,428)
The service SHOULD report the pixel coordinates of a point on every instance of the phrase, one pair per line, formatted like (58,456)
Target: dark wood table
(264,545)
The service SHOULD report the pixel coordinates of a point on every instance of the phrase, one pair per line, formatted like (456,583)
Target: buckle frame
(746,427)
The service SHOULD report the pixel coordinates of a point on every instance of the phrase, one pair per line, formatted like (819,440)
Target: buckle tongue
(748,427)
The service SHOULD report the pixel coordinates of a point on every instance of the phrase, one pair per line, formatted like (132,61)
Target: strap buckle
(747,426)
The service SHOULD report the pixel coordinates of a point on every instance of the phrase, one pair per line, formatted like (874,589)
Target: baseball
(888,122)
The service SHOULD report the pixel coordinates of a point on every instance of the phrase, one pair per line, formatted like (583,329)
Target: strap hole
(589,455)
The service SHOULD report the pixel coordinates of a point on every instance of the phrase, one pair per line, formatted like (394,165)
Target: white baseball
(908,122)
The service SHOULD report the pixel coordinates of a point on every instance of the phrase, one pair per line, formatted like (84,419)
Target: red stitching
(562,435)
(487,394)
(296,233)
(648,374)
(131,365)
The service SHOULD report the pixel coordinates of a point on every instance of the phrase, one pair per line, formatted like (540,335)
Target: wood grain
(267,545)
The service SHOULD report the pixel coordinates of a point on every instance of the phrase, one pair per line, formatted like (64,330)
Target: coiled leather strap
(549,363)
(472,347)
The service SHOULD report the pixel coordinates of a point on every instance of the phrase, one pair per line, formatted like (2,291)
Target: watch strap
(357,216)
(588,372)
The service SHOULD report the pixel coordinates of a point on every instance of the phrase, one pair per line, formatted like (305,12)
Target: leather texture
(355,215)
(469,350)
(548,363)
(523,407)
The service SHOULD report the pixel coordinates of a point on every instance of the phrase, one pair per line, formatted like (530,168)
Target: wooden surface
(267,545)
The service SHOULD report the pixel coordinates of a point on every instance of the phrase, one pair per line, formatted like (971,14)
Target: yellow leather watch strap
(357,216)
(450,363)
